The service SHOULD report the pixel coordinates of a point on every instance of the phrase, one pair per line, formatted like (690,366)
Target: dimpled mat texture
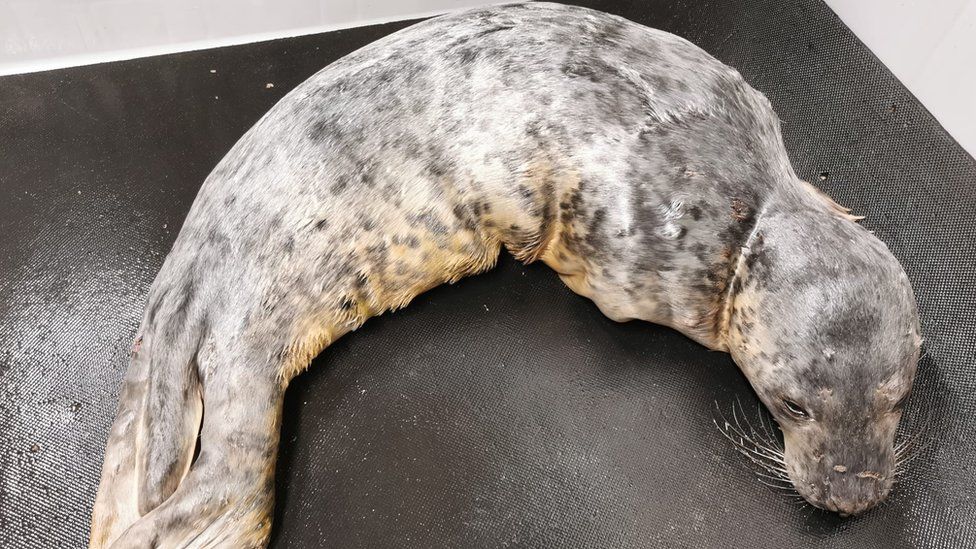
(503,411)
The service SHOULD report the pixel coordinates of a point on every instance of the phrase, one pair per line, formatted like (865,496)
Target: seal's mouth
(761,443)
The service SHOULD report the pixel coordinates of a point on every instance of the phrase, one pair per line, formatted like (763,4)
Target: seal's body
(649,175)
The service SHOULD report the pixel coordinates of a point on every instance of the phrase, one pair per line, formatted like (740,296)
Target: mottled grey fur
(649,175)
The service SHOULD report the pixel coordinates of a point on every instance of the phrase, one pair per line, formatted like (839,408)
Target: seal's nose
(854,492)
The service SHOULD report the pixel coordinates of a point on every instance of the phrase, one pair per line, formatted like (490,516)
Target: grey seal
(651,177)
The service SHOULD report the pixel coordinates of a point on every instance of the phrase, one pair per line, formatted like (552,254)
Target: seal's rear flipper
(152,440)
(170,424)
(226,498)
(115,505)
(837,208)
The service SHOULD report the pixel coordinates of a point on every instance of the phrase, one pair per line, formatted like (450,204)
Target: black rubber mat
(503,411)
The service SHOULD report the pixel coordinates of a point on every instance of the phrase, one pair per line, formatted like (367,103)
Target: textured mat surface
(503,411)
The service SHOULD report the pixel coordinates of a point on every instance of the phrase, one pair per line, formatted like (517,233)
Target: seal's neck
(737,280)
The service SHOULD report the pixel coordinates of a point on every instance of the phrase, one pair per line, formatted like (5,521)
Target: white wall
(47,34)
(930,45)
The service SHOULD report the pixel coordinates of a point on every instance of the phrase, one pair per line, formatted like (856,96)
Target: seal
(651,177)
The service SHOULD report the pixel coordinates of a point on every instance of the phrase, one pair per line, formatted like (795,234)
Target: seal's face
(825,327)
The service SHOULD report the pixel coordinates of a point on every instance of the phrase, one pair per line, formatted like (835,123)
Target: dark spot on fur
(852,326)
(181,311)
(467,55)
(675,155)
(595,237)
(438,168)
(156,304)
(660,83)
(578,69)
(428,220)
(695,212)
(323,130)
(758,261)
(340,184)
(408,241)
(610,33)
(465,216)
(364,169)
(321,224)
(493,30)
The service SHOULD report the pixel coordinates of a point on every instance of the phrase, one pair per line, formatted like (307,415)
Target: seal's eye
(795,409)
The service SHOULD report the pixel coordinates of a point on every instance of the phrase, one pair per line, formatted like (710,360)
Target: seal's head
(823,323)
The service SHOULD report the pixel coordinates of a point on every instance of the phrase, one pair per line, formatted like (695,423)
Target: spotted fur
(649,175)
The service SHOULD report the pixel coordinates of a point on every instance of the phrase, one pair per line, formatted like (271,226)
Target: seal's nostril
(870,474)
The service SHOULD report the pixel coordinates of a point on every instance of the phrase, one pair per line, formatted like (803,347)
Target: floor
(503,411)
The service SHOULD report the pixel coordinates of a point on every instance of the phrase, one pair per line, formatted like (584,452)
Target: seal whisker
(772,453)
(756,448)
(752,456)
(753,433)
(775,464)
(757,445)
(911,446)
(770,436)
(782,490)
(774,473)
(756,460)
(783,480)
(796,499)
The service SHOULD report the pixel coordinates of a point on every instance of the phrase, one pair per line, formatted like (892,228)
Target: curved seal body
(638,167)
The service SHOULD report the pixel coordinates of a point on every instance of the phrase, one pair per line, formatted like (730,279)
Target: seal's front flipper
(837,208)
